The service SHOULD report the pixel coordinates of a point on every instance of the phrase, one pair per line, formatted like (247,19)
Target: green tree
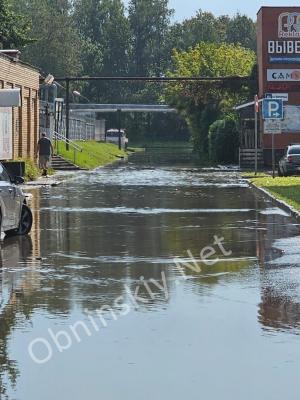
(205,27)
(224,140)
(242,30)
(104,24)
(149,22)
(14,28)
(104,30)
(56,46)
(204,102)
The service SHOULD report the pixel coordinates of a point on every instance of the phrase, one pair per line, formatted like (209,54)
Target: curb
(52,182)
(284,205)
(42,181)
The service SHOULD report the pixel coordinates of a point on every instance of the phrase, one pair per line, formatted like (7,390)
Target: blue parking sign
(272,109)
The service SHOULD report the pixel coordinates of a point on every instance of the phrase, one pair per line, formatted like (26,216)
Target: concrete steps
(247,158)
(60,164)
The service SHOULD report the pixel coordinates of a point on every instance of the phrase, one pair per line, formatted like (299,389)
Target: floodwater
(147,281)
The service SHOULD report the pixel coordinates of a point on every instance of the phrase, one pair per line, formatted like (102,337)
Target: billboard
(289,25)
(283,75)
(6,145)
(278,47)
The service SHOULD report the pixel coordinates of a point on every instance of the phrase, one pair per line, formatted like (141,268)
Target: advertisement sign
(291,122)
(289,25)
(280,96)
(284,47)
(286,51)
(6,150)
(285,59)
(283,75)
(278,54)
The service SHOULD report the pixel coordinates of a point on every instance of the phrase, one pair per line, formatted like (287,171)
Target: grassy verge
(251,175)
(94,154)
(286,189)
(32,172)
(161,144)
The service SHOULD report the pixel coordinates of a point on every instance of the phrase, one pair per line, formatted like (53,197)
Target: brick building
(22,123)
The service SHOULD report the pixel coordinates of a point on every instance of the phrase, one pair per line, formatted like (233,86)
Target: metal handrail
(70,142)
(76,147)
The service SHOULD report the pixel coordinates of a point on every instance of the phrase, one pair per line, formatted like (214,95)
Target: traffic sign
(272,126)
(272,109)
(283,96)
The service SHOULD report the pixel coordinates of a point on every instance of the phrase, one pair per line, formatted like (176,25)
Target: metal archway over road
(110,108)
(121,108)
(240,79)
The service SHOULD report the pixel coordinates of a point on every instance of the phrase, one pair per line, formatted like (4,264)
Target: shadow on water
(106,234)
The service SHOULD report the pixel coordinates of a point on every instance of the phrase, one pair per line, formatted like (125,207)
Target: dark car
(289,164)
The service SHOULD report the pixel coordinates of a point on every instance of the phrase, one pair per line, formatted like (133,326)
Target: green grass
(286,189)
(94,154)
(32,171)
(251,174)
(161,144)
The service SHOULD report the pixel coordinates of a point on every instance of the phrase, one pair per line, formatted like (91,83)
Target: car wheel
(280,172)
(25,223)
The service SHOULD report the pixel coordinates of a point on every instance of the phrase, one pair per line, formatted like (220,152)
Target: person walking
(44,152)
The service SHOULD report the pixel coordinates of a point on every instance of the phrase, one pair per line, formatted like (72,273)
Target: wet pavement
(154,282)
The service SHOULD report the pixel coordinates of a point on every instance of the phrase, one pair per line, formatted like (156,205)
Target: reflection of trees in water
(279,308)
(12,251)
(98,234)
(8,367)
(90,281)
(278,311)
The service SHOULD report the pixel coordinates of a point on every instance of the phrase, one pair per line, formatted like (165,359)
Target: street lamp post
(119,129)
(76,93)
(67,113)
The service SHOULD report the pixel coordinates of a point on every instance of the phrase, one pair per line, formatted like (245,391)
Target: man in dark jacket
(44,152)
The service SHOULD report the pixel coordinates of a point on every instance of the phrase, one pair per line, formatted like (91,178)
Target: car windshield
(294,150)
(114,134)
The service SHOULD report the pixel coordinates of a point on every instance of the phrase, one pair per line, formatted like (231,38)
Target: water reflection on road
(229,330)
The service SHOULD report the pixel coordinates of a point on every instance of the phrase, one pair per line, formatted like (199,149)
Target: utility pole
(256,111)
(273,156)
(67,112)
(119,129)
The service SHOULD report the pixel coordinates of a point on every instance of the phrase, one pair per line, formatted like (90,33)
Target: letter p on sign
(272,109)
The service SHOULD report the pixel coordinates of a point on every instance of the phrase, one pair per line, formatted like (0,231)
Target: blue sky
(187,8)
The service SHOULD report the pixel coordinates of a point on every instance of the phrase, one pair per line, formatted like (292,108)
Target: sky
(187,8)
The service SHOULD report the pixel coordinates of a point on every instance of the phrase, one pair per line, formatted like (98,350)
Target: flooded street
(151,281)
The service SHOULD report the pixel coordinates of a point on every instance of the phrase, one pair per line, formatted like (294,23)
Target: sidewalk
(54,180)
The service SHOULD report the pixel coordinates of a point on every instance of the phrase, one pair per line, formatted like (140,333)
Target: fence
(81,127)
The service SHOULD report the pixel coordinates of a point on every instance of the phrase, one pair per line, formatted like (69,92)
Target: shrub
(31,170)
(224,141)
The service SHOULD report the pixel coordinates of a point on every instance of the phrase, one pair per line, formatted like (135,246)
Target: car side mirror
(17,180)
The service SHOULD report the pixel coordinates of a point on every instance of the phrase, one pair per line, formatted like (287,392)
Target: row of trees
(66,37)
(102,37)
